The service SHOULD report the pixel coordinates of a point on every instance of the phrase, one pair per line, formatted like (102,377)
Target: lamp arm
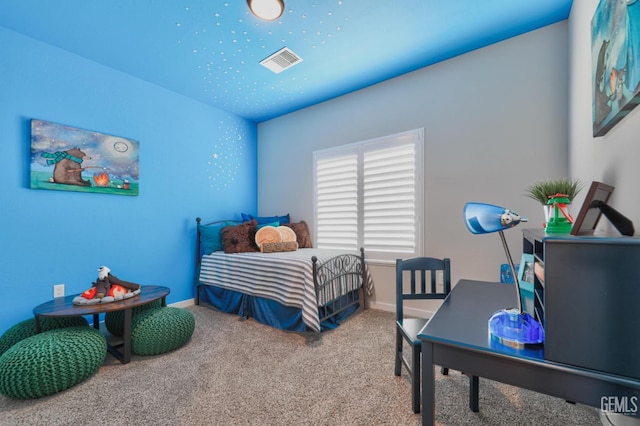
(513,269)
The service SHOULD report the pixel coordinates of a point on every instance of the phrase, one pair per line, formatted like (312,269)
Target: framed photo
(589,215)
(66,158)
(525,272)
(615,62)
(506,277)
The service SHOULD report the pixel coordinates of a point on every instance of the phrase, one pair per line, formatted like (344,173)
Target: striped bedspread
(286,277)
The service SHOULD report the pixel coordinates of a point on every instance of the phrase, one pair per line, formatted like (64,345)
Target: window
(369,194)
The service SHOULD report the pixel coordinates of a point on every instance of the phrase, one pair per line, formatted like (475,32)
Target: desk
(64,307)
(457,337)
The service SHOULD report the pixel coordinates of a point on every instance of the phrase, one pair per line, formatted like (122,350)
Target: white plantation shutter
(389,209)
(337,202)
(370,194)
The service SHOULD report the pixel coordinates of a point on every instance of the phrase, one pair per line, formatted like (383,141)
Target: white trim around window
(371,194)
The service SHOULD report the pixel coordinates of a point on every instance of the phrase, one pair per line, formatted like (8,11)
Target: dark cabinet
(587,296)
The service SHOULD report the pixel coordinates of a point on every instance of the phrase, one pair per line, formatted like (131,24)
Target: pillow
(279,247)
(210,237)
(274,224)
(239,238)
(302,233)
(268,234)
(287,234)
(266,219)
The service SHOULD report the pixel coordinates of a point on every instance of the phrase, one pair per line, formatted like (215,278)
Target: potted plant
(543,189)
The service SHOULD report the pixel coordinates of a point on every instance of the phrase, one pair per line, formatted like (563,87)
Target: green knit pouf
(51,362)
(114,321)
(161,330)
(27,328)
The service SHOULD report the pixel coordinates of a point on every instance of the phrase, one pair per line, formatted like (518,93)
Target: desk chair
(409,328)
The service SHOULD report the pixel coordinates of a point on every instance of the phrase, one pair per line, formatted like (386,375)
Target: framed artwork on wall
(66,158)
(615,62)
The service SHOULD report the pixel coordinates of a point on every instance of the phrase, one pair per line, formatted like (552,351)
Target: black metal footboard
(338,282)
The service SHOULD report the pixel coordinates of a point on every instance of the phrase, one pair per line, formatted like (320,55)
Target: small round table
(64,307)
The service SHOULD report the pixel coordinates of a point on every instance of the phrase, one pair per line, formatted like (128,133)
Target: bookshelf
(586,294)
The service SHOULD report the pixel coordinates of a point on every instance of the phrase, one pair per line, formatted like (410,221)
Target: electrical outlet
(58,290)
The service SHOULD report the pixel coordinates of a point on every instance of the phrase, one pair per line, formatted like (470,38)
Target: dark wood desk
(457,336)
(64,307)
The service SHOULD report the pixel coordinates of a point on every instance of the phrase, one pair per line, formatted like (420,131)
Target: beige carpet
(236,372)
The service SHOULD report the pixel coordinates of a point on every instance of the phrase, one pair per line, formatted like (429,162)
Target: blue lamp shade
(484,218)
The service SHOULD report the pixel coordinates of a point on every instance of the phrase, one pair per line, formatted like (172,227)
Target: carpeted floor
(236,372)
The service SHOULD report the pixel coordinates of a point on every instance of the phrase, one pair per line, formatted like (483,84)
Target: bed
(306,289)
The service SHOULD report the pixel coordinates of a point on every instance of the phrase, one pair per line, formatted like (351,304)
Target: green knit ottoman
(114,321)
(51,362)
(161,330)
(27,328)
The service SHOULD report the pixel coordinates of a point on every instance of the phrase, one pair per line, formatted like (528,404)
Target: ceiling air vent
(281,60)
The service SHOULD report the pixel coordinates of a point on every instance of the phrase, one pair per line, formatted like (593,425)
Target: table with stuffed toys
(71,306)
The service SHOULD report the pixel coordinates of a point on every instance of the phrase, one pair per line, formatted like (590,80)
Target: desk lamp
(512,326)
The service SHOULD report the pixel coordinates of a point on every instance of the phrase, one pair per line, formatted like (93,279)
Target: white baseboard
(388,307)
(183,303)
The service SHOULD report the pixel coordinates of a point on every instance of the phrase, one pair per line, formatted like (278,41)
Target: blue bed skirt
(265,311)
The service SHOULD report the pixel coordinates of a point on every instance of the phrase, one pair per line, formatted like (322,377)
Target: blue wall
(51,237)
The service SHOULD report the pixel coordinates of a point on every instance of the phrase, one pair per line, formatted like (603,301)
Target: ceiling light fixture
(268,10)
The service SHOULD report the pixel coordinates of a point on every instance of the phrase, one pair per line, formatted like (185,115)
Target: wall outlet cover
(58,290)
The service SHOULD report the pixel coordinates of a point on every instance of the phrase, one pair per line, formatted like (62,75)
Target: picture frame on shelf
(506,277)
(526,272)
(589,215)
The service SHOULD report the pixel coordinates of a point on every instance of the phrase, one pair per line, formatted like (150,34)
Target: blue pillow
(210,237)
(275,224)
(266,219)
